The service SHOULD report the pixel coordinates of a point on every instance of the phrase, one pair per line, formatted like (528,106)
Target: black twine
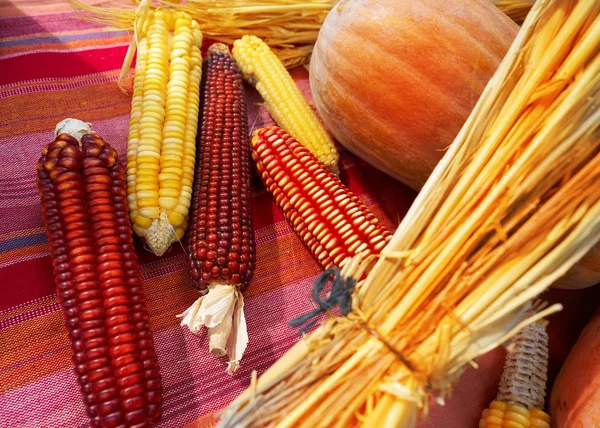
(340,295)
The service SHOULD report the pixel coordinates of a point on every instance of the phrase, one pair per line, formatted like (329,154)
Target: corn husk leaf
(221,309)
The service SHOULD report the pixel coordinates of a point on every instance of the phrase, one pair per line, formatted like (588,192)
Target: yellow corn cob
(502,415)
(161,149)
(523,384)
(284,101)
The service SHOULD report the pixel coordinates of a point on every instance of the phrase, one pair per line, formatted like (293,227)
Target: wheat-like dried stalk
(517,10)
(514,203)
(290,27)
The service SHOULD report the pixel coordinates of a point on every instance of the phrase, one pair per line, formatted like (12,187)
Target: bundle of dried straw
(513,204)
(289,27)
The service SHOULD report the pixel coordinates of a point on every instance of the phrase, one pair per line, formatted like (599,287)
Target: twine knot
(340,295)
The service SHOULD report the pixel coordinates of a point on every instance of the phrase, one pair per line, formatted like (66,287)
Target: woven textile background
(54,65)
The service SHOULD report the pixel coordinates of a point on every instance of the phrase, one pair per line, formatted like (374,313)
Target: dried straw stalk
(513,204)
(517,10)
(290,27)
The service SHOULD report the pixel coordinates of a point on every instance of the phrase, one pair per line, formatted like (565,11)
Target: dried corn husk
(290,27)
(514,203)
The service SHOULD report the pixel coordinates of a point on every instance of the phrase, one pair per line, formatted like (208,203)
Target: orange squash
(584,274)
(394,80)
(575,398)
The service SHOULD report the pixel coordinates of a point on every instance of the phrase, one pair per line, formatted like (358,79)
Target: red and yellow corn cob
(283,99)
(161,148)
(522,387)
(325,214)
(221,251)
(97,275)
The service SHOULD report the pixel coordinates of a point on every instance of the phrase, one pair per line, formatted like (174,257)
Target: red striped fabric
(54,65)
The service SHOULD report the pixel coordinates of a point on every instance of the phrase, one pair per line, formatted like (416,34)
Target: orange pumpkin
(575,398)
(394,80)
(584,274)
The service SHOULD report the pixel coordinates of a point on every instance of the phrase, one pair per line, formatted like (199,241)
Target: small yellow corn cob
(523,384)
(161,148)
(502,415)
(284,101)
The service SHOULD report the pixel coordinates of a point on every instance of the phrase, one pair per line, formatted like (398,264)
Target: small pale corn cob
(97,276)
(161,148)
(523,384)
(283,99)
(221,242)
(329,219)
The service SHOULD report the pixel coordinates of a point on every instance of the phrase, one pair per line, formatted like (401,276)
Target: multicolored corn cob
(97,275)
(161,149)
(331,221)
(283,99)
(221,252)
(523,384)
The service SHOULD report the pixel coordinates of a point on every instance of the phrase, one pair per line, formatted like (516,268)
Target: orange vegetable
(584,274)
(575,399)
(394,80)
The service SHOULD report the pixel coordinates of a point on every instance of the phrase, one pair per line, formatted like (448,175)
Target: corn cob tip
(74,127)
(334,168)
(160,235)
(221,310)
(219,48)
(525,371)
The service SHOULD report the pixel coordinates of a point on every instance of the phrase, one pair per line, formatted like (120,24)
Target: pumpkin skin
(394,80)
(575,398)
(584,274)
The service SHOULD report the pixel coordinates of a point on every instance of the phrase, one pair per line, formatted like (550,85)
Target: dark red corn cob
(221,239)
(331,221)
(84,207)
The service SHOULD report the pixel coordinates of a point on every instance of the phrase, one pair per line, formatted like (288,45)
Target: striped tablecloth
(54,65)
